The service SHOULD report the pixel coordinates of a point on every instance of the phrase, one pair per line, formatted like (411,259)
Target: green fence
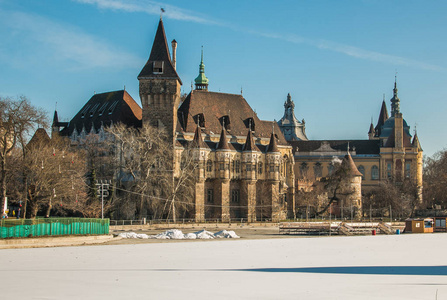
(14,228)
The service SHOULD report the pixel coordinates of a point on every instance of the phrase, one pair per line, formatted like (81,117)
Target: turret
(201,81)
(249,157)
(223,156)
(273,157)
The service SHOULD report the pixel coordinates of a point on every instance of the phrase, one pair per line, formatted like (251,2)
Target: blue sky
(336,58)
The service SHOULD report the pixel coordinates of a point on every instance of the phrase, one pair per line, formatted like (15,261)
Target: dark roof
(198,141)
(272,147)
(55,119)
(223,144)
(105,109)
(382,119)
(371,128)
(362,147)
(159,53)
(216,107)
(249,143)
(40,138)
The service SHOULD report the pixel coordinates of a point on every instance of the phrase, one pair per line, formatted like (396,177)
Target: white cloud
(41,40)
(150,7)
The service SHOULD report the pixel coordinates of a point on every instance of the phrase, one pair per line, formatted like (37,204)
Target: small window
(250,123)
(388,170)
(303,170)
(260,168)
(318,170)
(375,173)
(362,170)
(209,166)
(158,67)
(221,166)
(225,122)
(209,196)
(407,169)
(248,167)
(238,166)
(235,196)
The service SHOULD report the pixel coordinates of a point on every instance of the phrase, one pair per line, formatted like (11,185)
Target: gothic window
(362,170)
(235,196)
(248,167)
(238,166)
(209,166)
(303,170)
(407,169)
(209,195)
(318,170)
(375,173)
(260,168)
(388,170)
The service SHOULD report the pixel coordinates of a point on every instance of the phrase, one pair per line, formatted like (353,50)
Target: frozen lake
(366,267)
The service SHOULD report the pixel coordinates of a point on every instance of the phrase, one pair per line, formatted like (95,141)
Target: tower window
(235,196)
(158,67)
(209,195)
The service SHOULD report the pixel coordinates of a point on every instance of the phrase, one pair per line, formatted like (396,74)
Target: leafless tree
(435,180)
(56,179)
(18,118)
(146,171)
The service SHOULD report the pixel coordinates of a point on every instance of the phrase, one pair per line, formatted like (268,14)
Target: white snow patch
(226,234)
(175,234)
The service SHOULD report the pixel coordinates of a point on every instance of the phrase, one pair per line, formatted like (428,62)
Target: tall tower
(160,86)
(201,81)
(292,129)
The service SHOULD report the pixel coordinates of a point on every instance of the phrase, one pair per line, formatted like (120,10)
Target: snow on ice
(175,234)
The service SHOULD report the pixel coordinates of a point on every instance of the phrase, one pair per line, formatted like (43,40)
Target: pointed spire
(198,142)
(371,129)
(249,142)
(416,143)
(383,116)
(273,146)
(223,143)
(395,102)
(159,64)
(350,165)
(201,81)
(55,119)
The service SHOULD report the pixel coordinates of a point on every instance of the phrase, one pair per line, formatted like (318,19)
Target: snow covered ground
(367,267)
(175,234)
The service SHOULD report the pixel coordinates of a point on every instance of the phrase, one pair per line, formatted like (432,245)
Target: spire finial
(162,10)
(348,147)
(55,108)
(201,57)
(241,91)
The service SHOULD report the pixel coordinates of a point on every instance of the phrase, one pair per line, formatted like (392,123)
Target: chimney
(174,53)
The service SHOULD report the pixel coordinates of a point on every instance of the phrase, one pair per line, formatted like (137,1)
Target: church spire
(201,81)
(395,105)
(383,116)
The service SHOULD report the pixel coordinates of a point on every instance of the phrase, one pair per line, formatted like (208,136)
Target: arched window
(375,173)
(209,166)
(362,170)
(303,170)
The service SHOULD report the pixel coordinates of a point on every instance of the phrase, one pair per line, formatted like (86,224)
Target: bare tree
(435,180)
(18,118)
(56,179)
(146,172)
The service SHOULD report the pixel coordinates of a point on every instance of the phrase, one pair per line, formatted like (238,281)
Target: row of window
(235,196)
(236,167)
(318,170)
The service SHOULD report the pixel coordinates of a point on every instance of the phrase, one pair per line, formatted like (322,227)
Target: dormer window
(158,67)
(225,121)
(250,123)
(200,120)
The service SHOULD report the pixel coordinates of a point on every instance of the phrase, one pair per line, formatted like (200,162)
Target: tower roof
(55,119)
(249,142)
(273,146)
(159,64)
(383,116)
(416,143)
(371,128)
(395,101)
(223,143)
(198,142)
(350,165)
(201,81)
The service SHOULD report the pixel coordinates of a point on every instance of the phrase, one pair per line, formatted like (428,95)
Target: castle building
(389,154)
